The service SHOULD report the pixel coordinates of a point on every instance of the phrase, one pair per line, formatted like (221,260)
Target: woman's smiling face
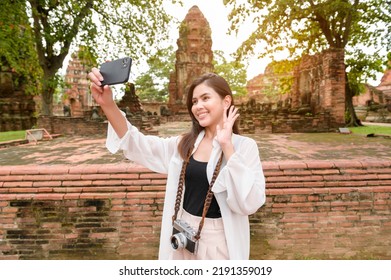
(208,106)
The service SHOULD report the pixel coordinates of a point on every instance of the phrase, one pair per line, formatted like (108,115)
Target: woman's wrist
(116,119)
(228,150)
(109,106)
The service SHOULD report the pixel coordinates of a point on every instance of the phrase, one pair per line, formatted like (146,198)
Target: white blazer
(239,188)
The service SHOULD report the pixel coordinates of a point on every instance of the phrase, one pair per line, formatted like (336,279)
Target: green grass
(12,135)
(368,129)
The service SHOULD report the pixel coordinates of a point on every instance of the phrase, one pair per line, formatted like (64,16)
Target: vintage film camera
(183,236)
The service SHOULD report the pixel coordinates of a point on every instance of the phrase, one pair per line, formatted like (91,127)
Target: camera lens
(124,62)
(174,243)
(178,241)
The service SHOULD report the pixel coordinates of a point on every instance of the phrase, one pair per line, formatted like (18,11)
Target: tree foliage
(283,72)
(361,27)
(234,72)
(152,85)
(111,28)
(17,49)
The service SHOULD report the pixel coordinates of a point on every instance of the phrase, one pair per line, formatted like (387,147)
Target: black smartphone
(116,71)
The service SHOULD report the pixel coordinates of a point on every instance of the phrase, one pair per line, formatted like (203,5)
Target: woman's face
(208,106)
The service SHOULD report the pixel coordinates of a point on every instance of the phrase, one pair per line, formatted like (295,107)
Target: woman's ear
(227,101)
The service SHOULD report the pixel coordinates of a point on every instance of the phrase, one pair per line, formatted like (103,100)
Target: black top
(196,188)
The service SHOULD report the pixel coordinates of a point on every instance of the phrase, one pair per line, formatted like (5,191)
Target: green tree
(147,90)
(17,49)
(310,26)
(111,27)
(234,72)
(152,85)
(283,79)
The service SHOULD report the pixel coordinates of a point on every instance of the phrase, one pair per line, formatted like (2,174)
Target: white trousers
(211,245)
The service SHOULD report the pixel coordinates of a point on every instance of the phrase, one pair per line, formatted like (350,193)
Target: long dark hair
(220,85)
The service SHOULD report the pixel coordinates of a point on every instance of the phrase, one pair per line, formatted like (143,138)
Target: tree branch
(56,61)
(345,36)
(37,33)
(323,24)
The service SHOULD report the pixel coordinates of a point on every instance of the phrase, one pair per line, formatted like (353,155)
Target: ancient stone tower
(319,85)
(130,102)
(17,109)
(77,93)
(193,57)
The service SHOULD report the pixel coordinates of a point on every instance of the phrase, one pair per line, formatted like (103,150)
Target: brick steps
(281,177)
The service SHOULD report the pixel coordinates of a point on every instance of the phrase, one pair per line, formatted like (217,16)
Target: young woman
(215,178)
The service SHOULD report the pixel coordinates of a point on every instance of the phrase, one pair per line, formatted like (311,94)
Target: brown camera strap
(209,195)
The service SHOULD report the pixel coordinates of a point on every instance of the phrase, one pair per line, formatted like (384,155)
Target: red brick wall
(72,125)
(317,210)
(322,76)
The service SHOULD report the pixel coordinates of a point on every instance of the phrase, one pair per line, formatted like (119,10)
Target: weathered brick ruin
(16,108)
(374,104)
(130,102)
(315,104)
(265,87)
(82,116)
(77,113)
(78,101)
(314,210)
(131,105)
(193,57)
(385,84)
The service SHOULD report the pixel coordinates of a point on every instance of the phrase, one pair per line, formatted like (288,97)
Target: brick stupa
(193,57)
(385,84)
(130,102)
(77,93)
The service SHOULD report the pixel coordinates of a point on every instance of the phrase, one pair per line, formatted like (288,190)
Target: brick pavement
(77,150)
